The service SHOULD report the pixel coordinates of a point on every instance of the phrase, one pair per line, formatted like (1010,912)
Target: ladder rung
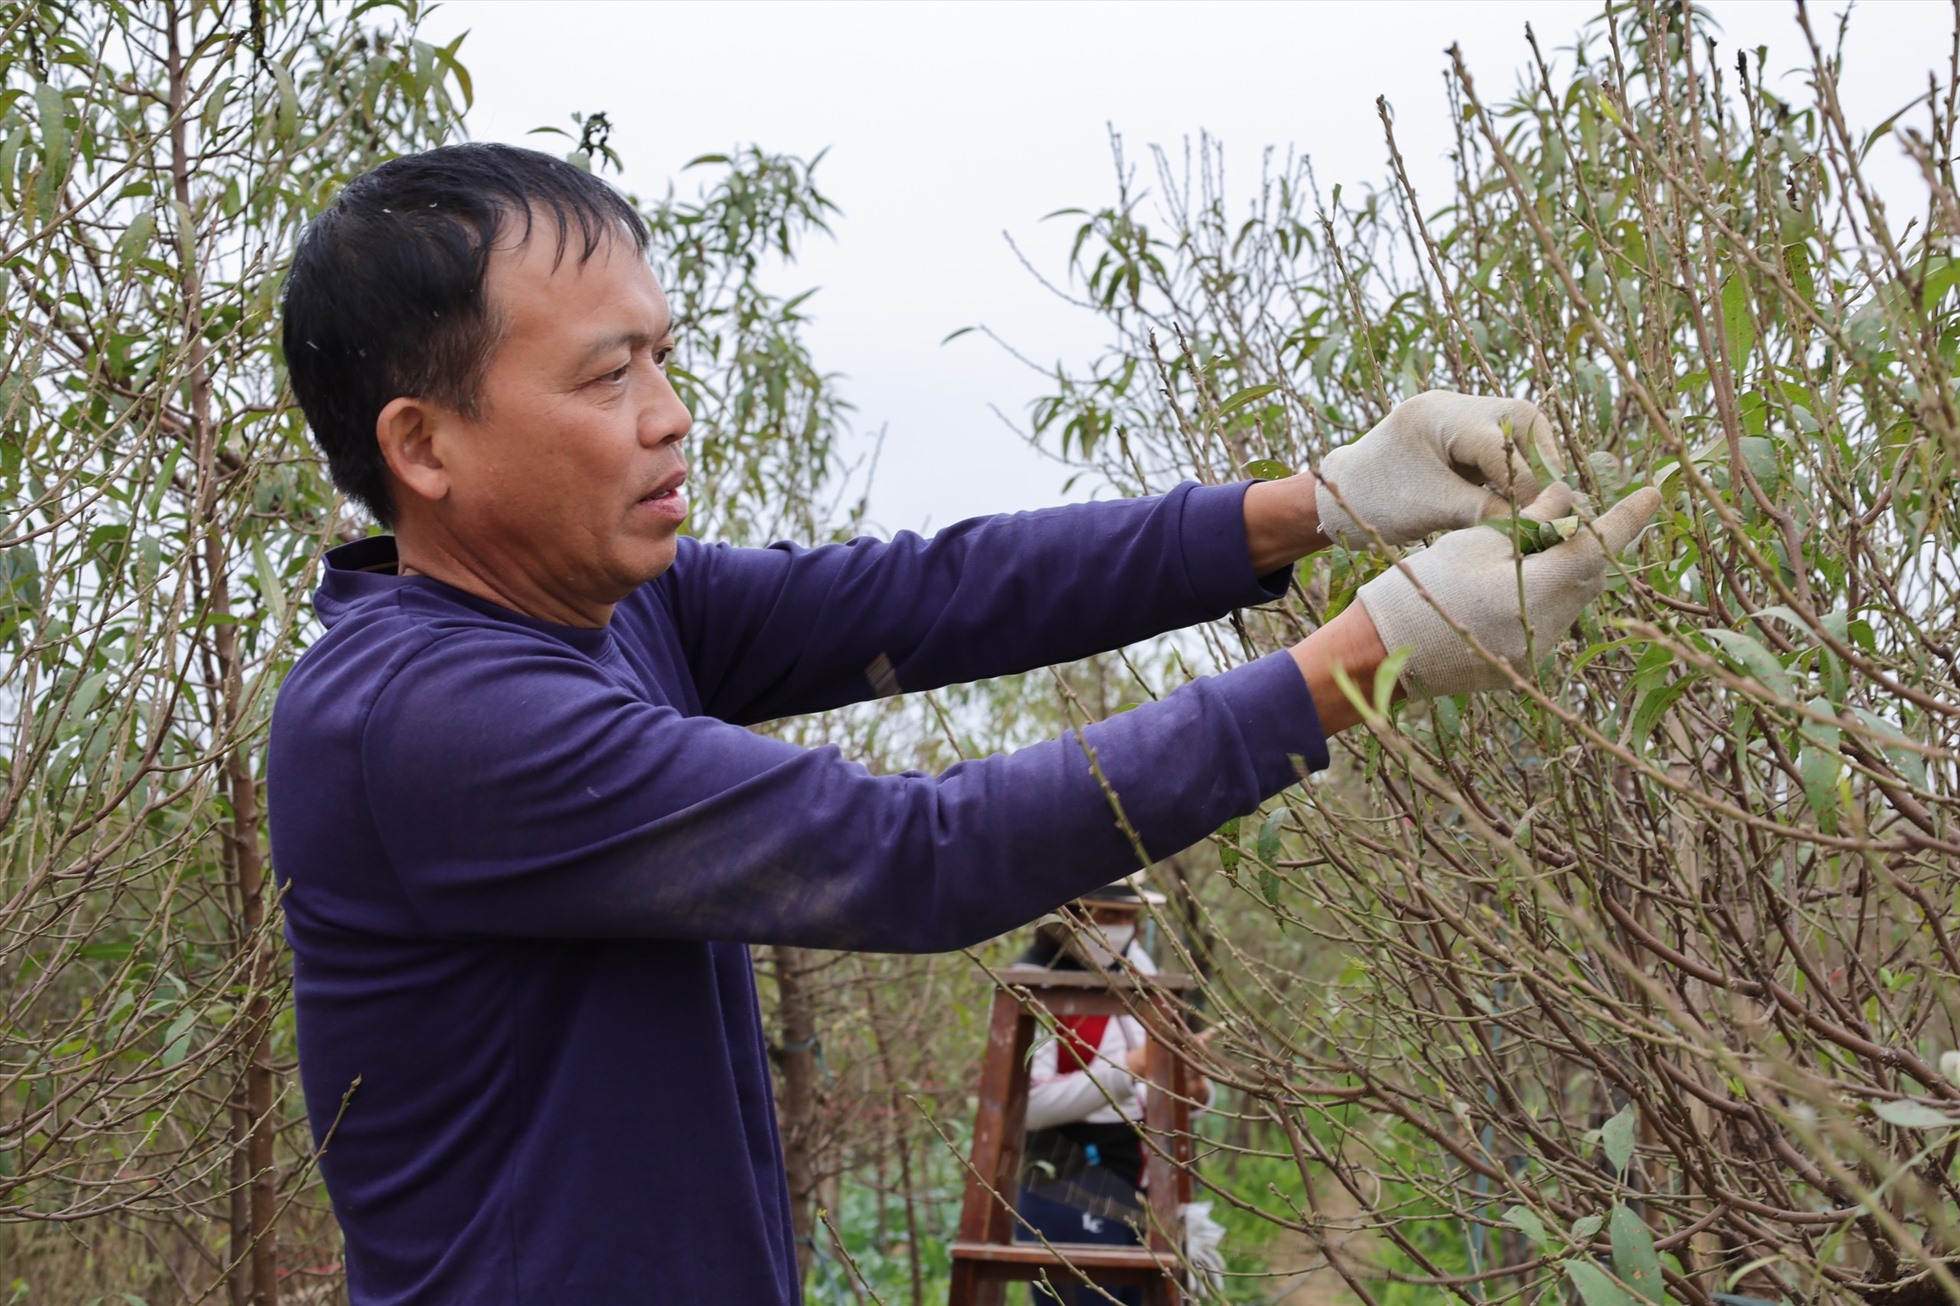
(1085,1256)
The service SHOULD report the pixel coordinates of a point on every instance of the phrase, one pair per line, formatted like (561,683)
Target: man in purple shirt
(523,836)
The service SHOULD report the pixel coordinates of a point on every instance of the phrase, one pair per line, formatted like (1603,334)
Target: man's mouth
(666,498)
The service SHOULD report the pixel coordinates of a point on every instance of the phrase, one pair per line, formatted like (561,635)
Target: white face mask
(1102,952)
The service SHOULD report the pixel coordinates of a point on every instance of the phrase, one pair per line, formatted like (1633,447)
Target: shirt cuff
(1275,714)
(1217,559)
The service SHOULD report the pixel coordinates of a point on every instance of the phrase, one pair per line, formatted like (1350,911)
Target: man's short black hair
(386,293)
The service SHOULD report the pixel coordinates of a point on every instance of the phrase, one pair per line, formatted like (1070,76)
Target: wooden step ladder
(986,1257)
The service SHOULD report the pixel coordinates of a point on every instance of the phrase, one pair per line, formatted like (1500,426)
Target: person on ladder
(1083,1176)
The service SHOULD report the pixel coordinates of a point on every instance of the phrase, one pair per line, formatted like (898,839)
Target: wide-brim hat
(1126,892)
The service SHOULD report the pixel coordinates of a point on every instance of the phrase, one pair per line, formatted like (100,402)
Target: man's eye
(661,357)
(617,374)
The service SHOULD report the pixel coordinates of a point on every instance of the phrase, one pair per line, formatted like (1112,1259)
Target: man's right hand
(1476,576)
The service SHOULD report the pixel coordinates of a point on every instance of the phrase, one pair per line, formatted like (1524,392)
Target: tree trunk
(254,1278)
(796,1109)
(902,1135)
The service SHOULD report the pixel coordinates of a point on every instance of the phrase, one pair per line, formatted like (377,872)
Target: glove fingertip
(1549,504)
(1622,524)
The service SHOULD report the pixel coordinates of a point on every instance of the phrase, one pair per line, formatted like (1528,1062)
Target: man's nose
(665,419)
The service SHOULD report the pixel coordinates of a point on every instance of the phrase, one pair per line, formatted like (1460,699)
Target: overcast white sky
(949,123)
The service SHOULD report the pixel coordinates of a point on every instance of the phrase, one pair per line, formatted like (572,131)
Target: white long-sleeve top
(1064,1097)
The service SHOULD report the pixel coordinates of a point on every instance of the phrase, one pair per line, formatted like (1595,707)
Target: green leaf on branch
(1533,536)
(135,240)
(1526,1221)
(1617,1136)
(1268,469)
(1738,325)
(1447,714)
(286,116)
(1758,661)
(1228,847)
(1269,887)
(1269,832)
(1386,676)
(1759,456)
(53,109)
(1819,770)
(1596,1287)
(1242,398)
(1877,133)
(1651,704)
(20,578)
(177,1039)
(1634,1259)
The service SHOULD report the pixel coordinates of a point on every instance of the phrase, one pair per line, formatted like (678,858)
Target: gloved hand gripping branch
(1459,463)
(1439,461)
(1477,576)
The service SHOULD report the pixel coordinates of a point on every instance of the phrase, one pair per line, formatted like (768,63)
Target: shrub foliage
(1641,983)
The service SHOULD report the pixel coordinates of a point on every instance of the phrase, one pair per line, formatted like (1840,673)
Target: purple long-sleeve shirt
(522,862)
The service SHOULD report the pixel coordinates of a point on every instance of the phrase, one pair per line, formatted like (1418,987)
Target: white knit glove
(1476,576)
(1439,461)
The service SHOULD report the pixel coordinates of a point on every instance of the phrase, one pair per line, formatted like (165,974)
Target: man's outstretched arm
(778,631)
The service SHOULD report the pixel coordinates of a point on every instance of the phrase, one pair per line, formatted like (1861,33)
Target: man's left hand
(1438,462)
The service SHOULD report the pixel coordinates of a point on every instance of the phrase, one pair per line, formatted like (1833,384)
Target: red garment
(1080,1037)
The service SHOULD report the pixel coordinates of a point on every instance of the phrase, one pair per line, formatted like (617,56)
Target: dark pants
(1064,1224)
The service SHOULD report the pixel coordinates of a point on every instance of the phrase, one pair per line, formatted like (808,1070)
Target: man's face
(566,488)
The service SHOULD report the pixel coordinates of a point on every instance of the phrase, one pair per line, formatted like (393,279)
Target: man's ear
(406,432)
